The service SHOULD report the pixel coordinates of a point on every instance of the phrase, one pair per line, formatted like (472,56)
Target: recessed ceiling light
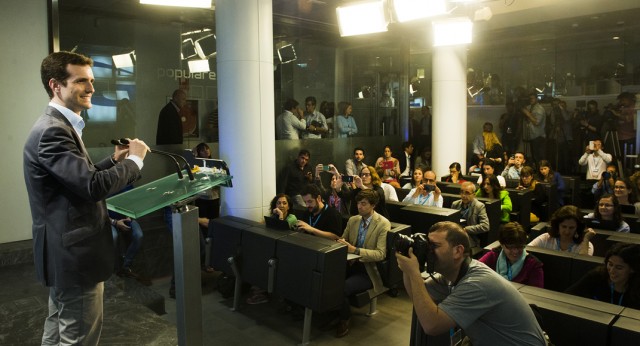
(616,37)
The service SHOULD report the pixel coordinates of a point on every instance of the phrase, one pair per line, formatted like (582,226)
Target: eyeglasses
(620,187)
(605,205)
(429,180)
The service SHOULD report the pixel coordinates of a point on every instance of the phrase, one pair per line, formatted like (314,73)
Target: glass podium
(177,193)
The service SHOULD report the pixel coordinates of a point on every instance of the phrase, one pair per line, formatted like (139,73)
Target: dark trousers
(357,281)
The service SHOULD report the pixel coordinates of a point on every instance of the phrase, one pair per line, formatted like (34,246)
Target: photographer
(427,193)
(465,293)
(595,159)
(605,185)
(590,122)
(623,115)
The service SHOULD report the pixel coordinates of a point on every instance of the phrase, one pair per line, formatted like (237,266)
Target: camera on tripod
(422,249)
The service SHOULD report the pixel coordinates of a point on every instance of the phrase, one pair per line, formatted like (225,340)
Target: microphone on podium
(125,142)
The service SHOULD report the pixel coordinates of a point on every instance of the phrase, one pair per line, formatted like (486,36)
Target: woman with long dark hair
(617,281)
(608,209)
(567,233)
(490,188)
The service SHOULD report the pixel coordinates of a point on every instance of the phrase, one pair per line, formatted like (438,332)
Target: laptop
(276,223)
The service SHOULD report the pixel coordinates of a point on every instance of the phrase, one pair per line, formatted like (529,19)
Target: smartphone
(591,145)
(325,167)
(347,178)
(429,188)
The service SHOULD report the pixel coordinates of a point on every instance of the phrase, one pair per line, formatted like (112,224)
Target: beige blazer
(375,246)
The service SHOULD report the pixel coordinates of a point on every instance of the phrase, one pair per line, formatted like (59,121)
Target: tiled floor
(23,309)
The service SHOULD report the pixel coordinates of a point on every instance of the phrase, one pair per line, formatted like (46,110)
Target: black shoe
(127,273)
(172,292)
(343,328)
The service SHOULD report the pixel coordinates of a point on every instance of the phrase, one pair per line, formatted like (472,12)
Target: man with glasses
(473,214)
(427,193)
(316,121)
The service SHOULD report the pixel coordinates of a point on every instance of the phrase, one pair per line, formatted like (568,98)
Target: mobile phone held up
(347,178)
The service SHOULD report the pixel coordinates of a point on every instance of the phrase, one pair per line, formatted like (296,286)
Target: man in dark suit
(473,212)
(170,121)
(72,242)
(406,163)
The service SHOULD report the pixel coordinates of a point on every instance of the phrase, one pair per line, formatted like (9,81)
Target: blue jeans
(75,315)
(136,242)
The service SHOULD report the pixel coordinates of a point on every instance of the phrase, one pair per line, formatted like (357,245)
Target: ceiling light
(407,10)
(362,18)
(452,31)
(483,14)
(196,66)
(124,60)
(179,3)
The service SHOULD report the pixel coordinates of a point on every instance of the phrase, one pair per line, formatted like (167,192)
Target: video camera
(422,249)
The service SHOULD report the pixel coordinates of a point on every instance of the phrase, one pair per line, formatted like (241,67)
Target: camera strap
(464,268)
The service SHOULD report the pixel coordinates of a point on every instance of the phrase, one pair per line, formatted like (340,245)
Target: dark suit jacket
(169,126)
(477,220)
(402,160)
(72,241)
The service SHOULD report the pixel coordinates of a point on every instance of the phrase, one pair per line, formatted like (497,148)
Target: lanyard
(313,223)
(621,295)
(560,249)
(509,272)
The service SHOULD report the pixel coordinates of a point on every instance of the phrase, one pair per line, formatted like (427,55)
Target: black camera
(606,175)
(429,188)
(422,249)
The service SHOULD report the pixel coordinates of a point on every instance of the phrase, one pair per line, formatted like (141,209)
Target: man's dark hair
(310,99)
(356,149)
(368,194)
(290,104)
(304,152)
(200,147)
(593,102)
(177,92)
(405,145)
(455,236)
(489,163)
(311,189)
(54,66)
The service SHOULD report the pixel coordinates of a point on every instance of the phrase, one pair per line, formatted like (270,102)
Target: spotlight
(196,66)
(179,3)
(124,60)
(407,10)
(452,31)
(364,17)
(483,14)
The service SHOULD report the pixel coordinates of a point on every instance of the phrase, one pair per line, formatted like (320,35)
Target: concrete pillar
(449,126)
(244,32)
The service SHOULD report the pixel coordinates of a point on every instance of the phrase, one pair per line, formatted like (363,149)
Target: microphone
(125,142)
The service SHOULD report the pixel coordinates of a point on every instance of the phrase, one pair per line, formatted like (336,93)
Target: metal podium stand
(177,193)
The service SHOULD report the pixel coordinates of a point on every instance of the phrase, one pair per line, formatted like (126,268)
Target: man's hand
(408,265)
(350,248)
(122,226)
(302,226)
(138,148)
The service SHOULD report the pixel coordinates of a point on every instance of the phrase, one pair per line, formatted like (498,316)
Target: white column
(449,129)
(244,32)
